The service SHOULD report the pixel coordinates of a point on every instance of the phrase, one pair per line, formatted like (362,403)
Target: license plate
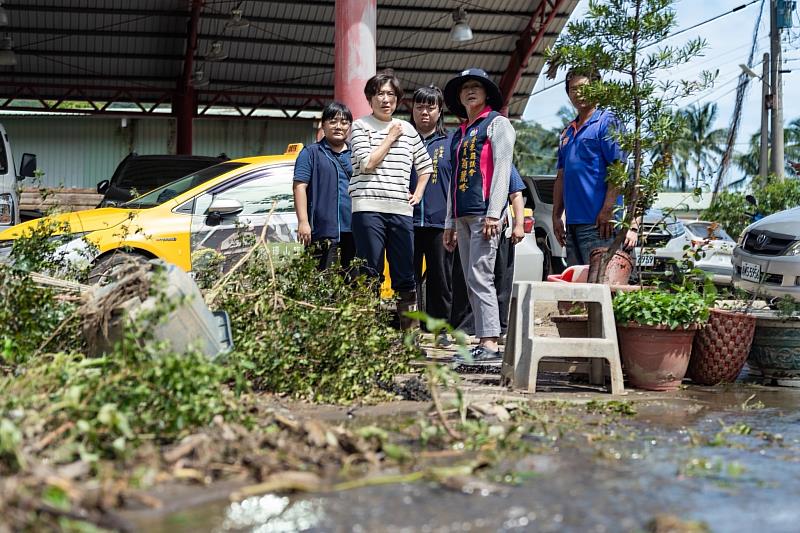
(647,260)
(751,272)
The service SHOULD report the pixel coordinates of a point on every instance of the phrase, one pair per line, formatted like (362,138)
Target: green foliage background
(730,208)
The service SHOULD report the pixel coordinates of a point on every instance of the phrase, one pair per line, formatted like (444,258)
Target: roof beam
(529,39)
(461,50)
(477,11)
(230,60)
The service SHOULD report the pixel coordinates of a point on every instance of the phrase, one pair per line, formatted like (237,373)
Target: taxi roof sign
(293,148)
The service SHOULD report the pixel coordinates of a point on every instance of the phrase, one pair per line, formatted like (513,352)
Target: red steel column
(354,52)
(185,103)
(184,107)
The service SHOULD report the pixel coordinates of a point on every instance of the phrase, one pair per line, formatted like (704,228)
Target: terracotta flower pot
(655,357)
(618,269)
(571,326)
(721,347)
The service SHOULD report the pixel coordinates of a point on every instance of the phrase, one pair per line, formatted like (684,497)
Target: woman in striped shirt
(383,152)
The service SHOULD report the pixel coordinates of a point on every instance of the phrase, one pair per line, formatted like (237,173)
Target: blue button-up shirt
(584,155)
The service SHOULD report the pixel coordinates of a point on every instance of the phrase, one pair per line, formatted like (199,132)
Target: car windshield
(704,230)
(180,186)
(145,174)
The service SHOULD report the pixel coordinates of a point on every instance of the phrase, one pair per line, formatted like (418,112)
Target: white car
(766,259)
(539,197)
(663,242)
(716,248)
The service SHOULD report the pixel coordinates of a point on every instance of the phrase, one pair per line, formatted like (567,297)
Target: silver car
(715,247)
(766,259)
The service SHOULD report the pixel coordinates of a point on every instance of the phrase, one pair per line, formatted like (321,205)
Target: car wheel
(107,268)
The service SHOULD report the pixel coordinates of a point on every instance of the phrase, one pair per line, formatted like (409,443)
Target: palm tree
(748,161)
(700,146)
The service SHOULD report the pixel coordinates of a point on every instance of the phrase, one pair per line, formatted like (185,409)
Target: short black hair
(592,75)
(430,95)
(380,79)
(334,109)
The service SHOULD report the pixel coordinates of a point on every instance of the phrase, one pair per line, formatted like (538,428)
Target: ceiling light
(216,53)
(461,31)
(199,79)
(236,22)
(7,56)
(3,15)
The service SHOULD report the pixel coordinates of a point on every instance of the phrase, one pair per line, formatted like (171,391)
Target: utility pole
(766,104)
(776,166)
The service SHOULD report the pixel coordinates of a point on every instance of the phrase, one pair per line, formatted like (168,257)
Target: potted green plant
(655,330)
(722,345)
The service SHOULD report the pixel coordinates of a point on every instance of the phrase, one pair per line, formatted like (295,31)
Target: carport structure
(253,58)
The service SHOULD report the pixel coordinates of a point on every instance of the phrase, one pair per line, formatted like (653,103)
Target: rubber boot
(407,303)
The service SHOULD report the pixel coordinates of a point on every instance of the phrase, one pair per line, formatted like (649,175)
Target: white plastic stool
(524,350)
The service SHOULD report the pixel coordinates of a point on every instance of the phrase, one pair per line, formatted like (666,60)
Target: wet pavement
(726,456)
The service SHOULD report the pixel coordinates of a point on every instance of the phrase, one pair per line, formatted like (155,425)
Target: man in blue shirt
(321,177)
(585,151)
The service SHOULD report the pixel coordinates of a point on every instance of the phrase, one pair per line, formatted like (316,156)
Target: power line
(702,23)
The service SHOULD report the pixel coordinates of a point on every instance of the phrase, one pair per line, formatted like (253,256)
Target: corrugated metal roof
(287,49)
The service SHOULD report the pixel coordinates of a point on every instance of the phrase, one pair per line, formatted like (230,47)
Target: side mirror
(27,167)
(102,187)
(224,206)
(750,199)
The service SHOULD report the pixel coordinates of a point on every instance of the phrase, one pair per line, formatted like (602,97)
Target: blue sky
(729,40)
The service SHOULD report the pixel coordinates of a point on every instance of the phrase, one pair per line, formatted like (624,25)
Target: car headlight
(793,249)
(741,239)
(6,209)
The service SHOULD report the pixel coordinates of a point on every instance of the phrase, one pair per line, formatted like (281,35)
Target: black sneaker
(481,358)
(442,341)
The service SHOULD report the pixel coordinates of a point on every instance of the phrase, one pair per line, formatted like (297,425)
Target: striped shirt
(385,189)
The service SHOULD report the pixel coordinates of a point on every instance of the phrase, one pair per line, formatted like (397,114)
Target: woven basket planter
(721,347)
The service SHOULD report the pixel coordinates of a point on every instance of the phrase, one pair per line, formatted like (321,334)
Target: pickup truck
(9,181)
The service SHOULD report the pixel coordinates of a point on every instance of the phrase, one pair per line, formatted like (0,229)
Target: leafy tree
(699,145)
(731,210)
(536,148)
(623,39)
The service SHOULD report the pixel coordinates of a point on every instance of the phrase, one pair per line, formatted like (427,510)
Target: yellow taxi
(208,211)
(215,212)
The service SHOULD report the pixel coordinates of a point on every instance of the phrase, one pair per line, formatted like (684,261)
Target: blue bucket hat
(451,91)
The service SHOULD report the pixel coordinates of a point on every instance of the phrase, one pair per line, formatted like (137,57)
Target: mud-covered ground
(717,459)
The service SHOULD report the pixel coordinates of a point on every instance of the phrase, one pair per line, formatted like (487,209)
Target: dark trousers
(461,312)
(327,251)
(429,244)
(375,232)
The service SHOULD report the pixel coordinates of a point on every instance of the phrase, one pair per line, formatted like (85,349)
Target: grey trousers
(477,260)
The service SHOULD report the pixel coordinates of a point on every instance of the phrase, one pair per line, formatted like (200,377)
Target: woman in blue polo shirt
(321,177)
(429,214)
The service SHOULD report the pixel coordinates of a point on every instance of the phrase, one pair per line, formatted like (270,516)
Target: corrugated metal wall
(80,151)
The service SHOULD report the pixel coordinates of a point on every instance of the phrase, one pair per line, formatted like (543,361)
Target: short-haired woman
(321,201)
(384,150)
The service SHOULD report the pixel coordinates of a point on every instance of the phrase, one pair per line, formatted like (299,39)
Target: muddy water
(667,460)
